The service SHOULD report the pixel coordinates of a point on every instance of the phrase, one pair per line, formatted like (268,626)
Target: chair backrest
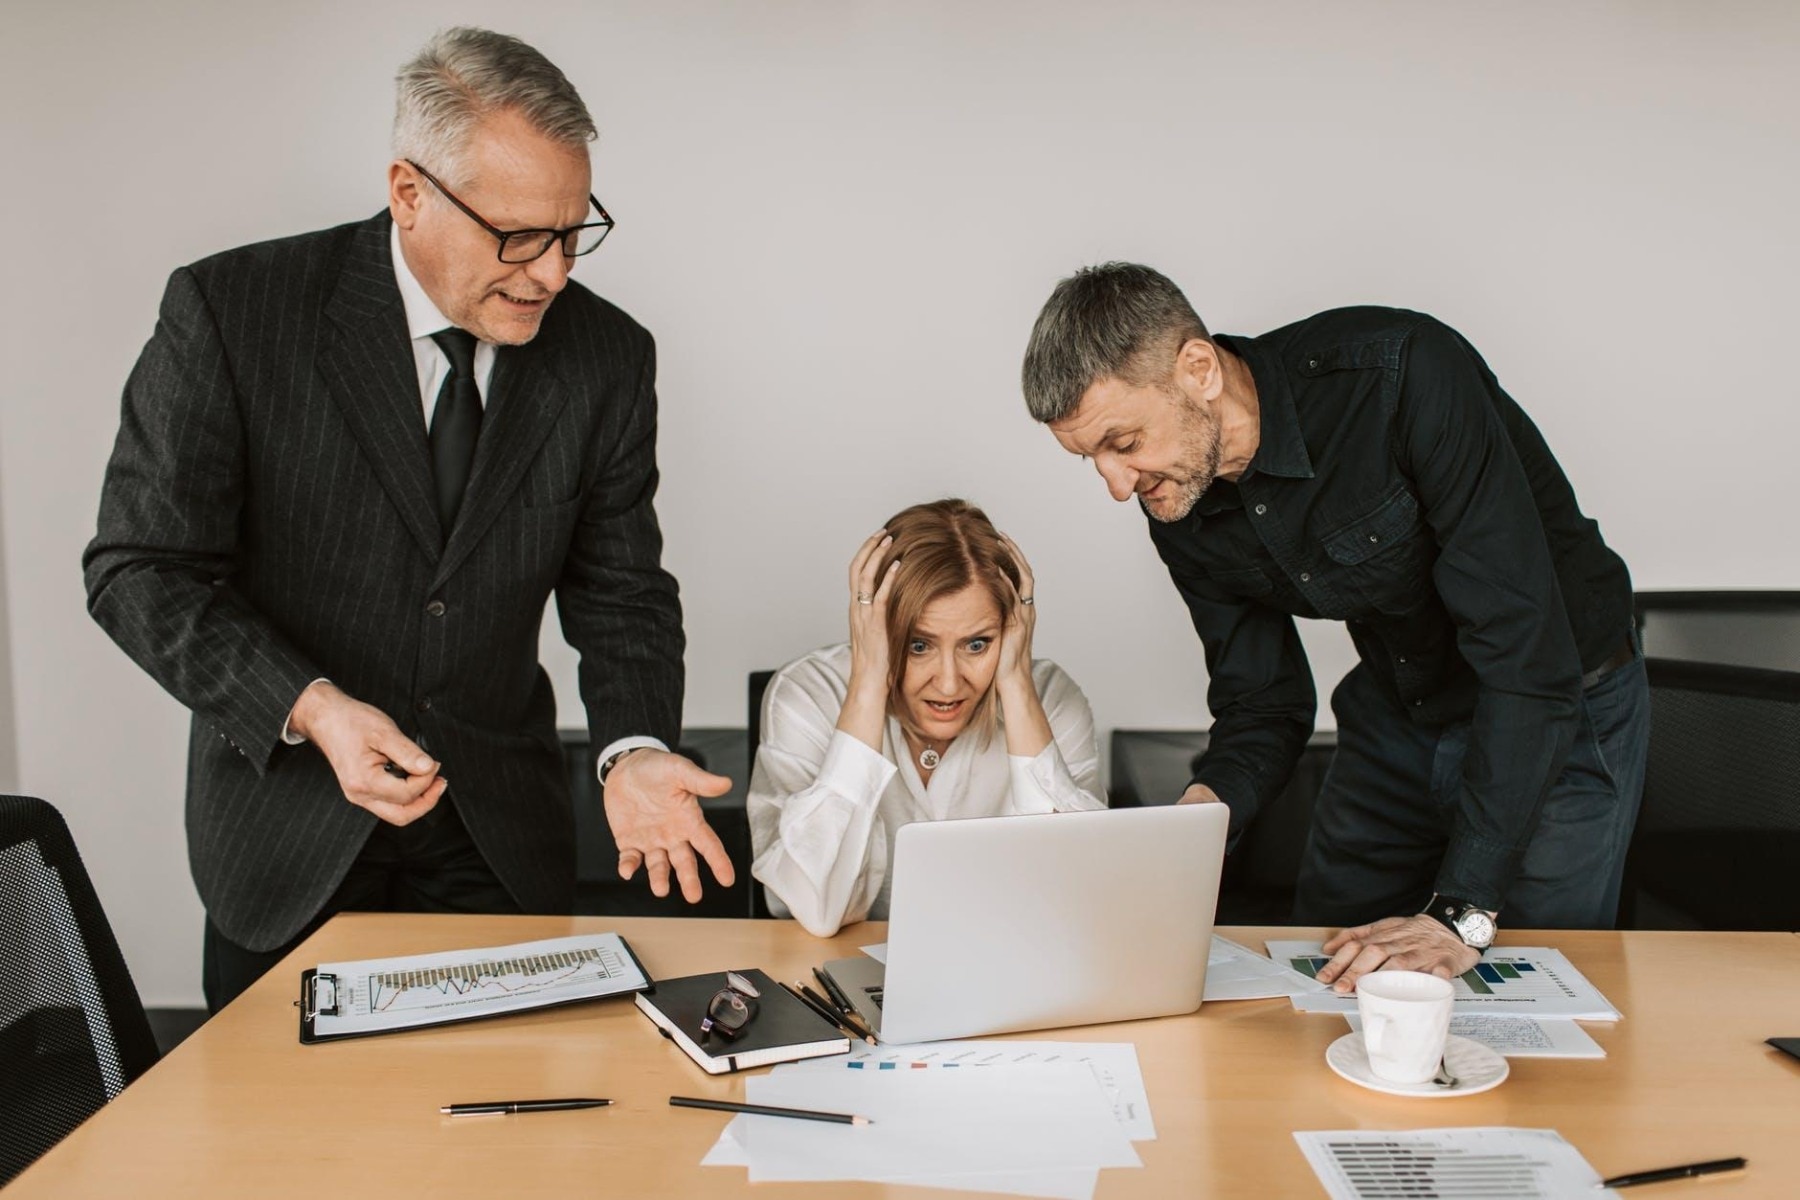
(72,1028)
(1719,831)
(759,683)
(1739,628)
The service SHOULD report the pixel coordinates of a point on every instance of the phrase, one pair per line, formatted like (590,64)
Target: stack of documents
(1453,1164)
(1016,1118)
(1521,1001)
(1234,973)
(1523,981)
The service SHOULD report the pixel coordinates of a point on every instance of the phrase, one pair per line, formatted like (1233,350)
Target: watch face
(1476,928)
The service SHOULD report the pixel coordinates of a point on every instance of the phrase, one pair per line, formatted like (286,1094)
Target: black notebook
(783,1029)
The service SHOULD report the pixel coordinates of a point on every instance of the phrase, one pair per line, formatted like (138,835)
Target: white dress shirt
(824,807)
(422,320)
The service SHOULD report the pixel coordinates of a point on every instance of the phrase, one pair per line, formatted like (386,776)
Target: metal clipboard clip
(321,996)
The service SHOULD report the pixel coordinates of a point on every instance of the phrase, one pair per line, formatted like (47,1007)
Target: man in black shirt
(1364,465)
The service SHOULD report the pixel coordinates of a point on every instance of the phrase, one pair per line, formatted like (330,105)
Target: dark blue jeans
(1384,812)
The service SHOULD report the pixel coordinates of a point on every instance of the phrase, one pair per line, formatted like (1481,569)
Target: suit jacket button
(435,608)
(424,704)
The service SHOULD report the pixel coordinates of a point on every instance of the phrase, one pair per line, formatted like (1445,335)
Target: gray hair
(1114,321)
(462,75)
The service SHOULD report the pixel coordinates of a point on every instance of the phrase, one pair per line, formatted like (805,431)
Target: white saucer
(1476,1067)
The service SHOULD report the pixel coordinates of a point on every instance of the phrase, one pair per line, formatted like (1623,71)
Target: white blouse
(824,807)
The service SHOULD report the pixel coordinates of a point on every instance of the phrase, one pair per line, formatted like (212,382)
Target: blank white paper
(1235,973)
(997,1120)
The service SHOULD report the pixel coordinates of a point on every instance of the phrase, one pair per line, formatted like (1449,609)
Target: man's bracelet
(607,766)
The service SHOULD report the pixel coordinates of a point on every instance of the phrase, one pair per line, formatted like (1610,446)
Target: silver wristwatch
(1475,926)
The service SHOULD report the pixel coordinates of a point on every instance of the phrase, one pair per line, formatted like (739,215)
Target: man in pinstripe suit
(332,521)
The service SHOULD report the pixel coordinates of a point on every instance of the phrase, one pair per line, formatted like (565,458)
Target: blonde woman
(934,709)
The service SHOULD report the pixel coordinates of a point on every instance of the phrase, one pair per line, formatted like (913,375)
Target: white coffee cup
(1405,1023)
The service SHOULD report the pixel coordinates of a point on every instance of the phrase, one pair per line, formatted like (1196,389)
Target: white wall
(840,220)
(9,745)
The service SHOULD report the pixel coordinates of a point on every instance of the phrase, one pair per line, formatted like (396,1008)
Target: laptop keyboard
(875,993)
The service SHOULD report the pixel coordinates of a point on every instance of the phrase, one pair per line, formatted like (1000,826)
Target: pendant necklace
(929,758)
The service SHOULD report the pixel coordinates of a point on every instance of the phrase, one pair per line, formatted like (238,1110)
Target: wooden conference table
(241,1109)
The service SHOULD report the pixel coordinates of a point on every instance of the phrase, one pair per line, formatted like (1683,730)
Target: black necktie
(455,423)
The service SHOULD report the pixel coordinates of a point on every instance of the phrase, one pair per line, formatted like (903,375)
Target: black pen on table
(829,1014)
(841,1002)
(848,1020)
(491,1108)
(1666,1173)
(768,1110)
(832,989)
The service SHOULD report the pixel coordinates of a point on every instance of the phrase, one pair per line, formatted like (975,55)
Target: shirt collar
(1280,448)
(422,316)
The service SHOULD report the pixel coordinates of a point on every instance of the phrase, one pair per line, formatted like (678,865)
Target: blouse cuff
(855,770)
(1042,783)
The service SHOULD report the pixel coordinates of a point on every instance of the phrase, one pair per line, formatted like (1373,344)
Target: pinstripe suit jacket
(268,518)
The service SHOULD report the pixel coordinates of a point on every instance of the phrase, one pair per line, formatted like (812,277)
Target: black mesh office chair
(1746,628)
(1721,811)
(1718,836)
(72,1029)
(759,683)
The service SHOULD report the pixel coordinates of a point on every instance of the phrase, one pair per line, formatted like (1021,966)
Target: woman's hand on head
(869,590)
(1021,621)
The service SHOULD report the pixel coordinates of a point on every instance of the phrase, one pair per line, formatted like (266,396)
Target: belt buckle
(1620,658)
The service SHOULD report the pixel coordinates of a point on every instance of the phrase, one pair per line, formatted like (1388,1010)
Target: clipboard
(370,997)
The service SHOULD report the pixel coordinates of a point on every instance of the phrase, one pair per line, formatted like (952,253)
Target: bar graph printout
(376,995)
(1523,981)
(1453,1164)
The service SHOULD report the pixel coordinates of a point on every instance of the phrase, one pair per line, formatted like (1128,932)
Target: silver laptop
(1000,924)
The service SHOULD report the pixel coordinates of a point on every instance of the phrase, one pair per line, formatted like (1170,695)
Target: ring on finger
(1027,599)
(864,598)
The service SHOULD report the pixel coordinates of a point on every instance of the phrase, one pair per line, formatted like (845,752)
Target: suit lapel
(524,399)
(367,362)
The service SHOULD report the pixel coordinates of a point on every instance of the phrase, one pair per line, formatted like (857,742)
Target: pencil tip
(861,1121)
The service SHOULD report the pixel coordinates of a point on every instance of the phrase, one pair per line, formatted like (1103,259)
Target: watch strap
(1449,911)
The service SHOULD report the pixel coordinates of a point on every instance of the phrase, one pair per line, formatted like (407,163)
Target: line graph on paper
(398,993)
(525,975)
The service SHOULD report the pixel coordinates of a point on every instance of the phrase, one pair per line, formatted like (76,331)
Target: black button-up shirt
(1398,489)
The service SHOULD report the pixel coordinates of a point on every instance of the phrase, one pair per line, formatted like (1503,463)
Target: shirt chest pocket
(1381,561)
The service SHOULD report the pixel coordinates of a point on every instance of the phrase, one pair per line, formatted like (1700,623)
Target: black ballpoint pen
(1665,1173)
(841,1002)
(847,1019)
(827,1013)
(504,1107)
(832,989)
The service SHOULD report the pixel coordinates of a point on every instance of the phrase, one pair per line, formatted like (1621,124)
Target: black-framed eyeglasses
(528,245)
(731,1008)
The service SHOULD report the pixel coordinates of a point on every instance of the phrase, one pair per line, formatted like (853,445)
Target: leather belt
(1621,657)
